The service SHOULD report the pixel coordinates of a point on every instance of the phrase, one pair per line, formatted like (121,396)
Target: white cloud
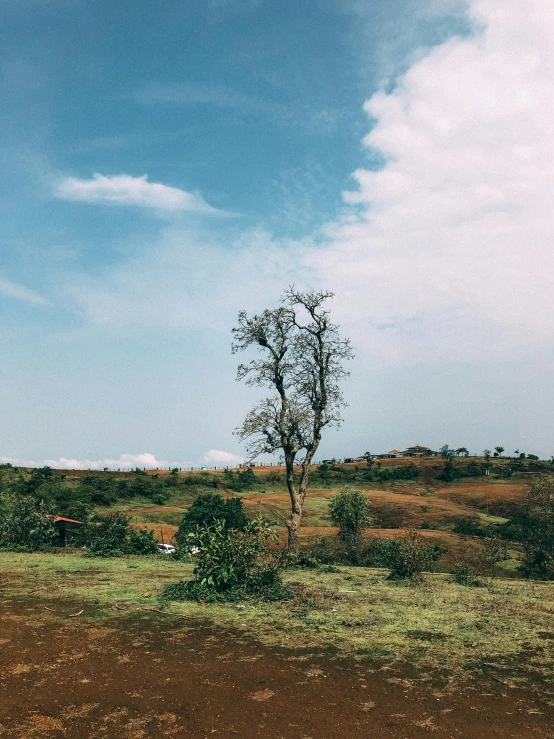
(443,253)
(126,461)
(12,290)
(186,280)
(447,250)
(126,190)
(216,456)
(17,462)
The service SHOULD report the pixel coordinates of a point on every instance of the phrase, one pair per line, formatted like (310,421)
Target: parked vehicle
(166,548)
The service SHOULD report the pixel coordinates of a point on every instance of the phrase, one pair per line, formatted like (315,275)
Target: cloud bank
(125,462)
(218,457)
(126,190)
(446,251)
(443,253)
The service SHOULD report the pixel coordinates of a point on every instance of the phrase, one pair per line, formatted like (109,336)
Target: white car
(166,548)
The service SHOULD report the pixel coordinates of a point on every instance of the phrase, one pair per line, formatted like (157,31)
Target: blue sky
(168,164)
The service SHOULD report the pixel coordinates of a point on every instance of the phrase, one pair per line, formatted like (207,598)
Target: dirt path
(159,676)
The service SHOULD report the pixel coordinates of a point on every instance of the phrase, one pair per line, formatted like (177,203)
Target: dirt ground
(162,676)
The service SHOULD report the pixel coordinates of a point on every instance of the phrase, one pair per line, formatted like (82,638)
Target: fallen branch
(71,615)
(49,609)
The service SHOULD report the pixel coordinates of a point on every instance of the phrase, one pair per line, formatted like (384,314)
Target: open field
(396,506)
(442,504)
(365,656)
(426,502)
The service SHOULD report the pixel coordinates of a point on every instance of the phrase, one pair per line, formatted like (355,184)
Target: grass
(352,612)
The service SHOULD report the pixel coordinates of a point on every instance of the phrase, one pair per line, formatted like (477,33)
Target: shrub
(25,523)
(473,469)
(232,563)
(100,490)
(323,550)
(244,479)
(468,526)
(386,474)
(350,510)
(36,480)
(411,557)
(203,479)
(470,569)
(205,511)
(537,531)
(112,536)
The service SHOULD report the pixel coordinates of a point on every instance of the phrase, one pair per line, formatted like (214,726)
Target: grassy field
(504,627)
(396,506)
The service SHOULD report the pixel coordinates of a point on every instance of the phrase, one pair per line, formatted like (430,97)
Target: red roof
(67,520)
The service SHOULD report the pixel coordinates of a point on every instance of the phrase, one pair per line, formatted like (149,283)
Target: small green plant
(412,556)
(205,511)
(244,479)
(350,510)
(537,531)
(473,567)
(112,536)
(234,563)
(25,523)
(468,526)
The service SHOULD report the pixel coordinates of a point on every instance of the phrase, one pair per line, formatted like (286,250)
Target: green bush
(203,479)
(386,474)
(480,563)
(468,527)
(411,557)
(234,564)
(25,523)
(101,490)
(196,591)
(244,479)
(537,531)
(112,536)
(406,558)
(350,511)
(205,511)
(323,550)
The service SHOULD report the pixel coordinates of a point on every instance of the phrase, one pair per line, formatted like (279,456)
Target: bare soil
(162,676)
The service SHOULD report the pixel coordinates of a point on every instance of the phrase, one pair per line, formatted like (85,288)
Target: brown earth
(162,531)
(159,676)
(470,492)
(416,507)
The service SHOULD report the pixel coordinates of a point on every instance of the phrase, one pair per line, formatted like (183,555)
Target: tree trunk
(296,500)
(293,526)
(297,495)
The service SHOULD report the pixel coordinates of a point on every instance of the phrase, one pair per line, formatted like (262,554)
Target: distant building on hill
(419,451)
(395,453)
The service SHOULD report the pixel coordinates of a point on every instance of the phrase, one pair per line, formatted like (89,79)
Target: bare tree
(302,363)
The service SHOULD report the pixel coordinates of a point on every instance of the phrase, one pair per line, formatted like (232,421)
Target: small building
(66,528)
(395,453)
(419,451)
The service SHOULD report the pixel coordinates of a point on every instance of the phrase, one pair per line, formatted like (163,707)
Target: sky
(166,165)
